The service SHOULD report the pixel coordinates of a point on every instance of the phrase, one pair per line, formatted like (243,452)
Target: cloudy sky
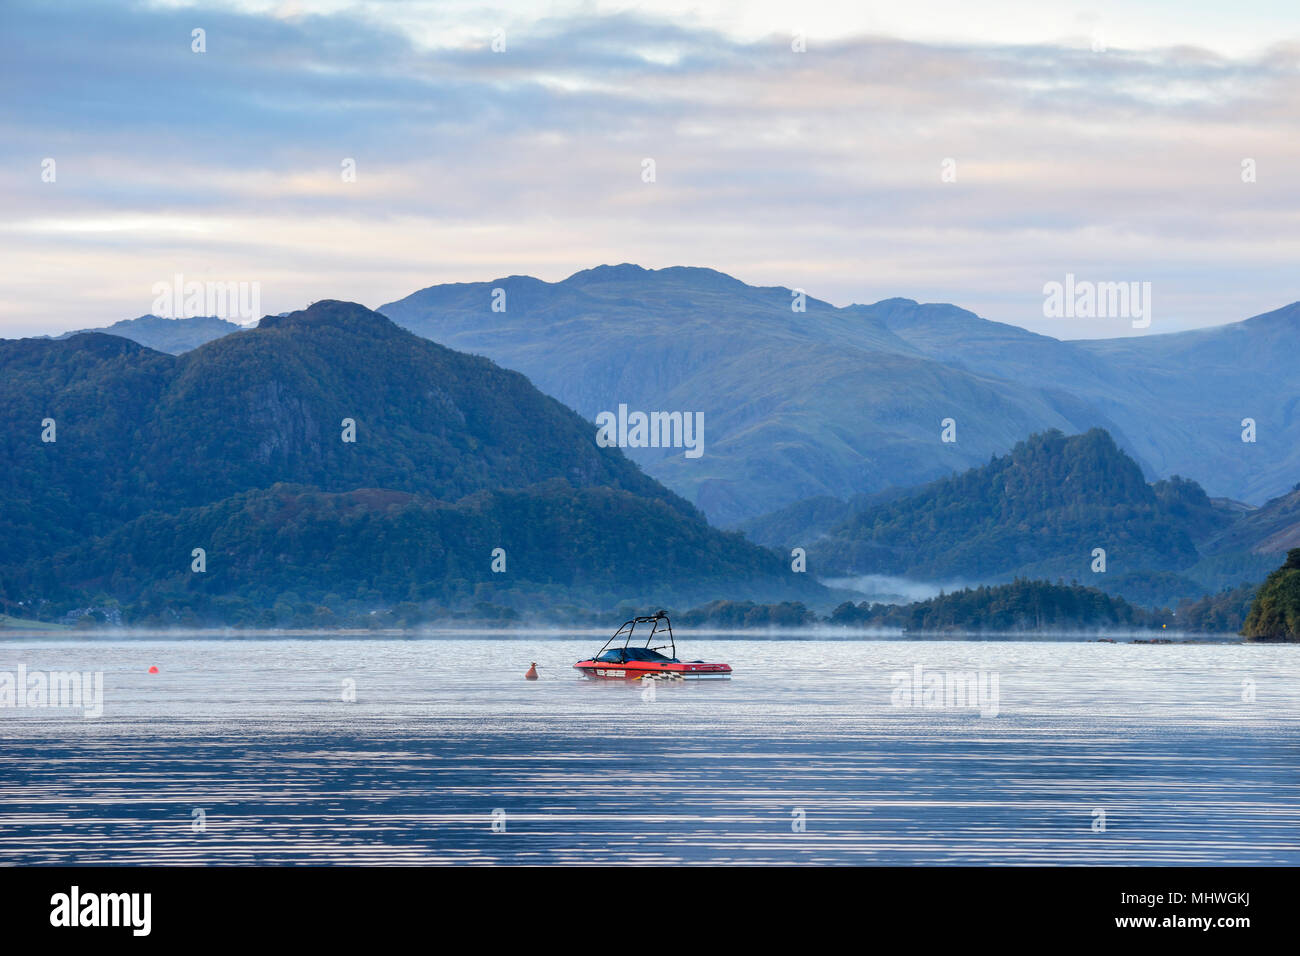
(1104,139)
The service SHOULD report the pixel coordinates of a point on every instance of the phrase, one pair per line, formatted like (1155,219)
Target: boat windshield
(620,655)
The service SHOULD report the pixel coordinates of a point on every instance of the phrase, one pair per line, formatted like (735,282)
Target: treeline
(1222,613)
(1018,606)
(747,614)
(1021,606)
(293,556)
(1033,606)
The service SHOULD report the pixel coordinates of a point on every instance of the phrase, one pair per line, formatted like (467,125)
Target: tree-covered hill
(138,430)
(1040,510)
(371,548)
(1275,612)
(156,455)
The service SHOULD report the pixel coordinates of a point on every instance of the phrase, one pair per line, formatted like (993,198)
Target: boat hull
(636,670)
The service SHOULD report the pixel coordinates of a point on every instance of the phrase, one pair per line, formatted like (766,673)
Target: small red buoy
(153,669)
(532,672)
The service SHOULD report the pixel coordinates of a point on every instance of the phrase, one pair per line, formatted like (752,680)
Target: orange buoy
(153,669)
(532,672)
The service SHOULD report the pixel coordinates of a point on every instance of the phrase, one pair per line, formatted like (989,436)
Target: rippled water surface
(1191,752)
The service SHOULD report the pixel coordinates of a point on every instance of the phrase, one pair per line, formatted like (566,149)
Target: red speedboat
(625,662)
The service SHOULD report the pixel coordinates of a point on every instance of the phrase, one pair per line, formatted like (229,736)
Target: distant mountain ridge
(1269,530)
(837,402)
(822,401)
(833,403)
(168,335)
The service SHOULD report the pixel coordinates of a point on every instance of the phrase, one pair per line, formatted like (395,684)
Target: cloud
(820,169)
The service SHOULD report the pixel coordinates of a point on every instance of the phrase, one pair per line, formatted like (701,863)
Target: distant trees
(1222,613)
(745,614)
(313,558)
(1019,606)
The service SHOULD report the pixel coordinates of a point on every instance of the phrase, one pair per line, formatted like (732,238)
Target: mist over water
(443,732)
(883,589)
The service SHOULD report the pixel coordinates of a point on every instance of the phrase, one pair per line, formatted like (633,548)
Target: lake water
(1191,753)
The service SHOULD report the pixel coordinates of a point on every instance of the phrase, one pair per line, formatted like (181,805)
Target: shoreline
(552,632)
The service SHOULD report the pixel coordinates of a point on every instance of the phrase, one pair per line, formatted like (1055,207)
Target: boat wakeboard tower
(623,661)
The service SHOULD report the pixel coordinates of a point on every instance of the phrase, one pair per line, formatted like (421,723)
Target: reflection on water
(1191,752)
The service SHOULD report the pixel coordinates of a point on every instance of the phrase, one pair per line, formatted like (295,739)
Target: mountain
(138,430)
(1040,510)
(839,403)
(832,403)
(238,447)
(1203,382)
(1234,543)
(826,401)
(963,339)
(168,335)
(1192,390)
(804,521)
(1268,530)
